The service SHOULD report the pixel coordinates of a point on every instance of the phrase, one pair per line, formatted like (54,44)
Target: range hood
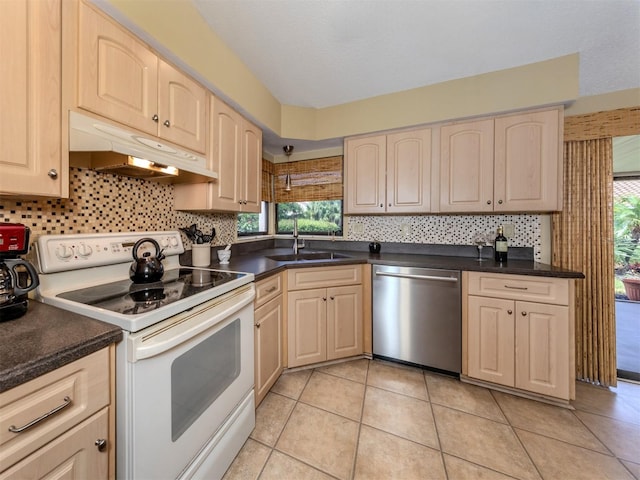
(115,150)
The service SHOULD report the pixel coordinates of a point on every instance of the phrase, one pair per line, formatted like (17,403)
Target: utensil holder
(201,255)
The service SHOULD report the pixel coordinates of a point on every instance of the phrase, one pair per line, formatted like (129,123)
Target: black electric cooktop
(128,298)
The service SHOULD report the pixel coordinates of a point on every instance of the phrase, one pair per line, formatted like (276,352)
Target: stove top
(128,298)
(89,274)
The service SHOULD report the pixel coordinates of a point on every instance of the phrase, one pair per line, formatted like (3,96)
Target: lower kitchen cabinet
(519,332)
(268,335)
(61,424)
(324,323)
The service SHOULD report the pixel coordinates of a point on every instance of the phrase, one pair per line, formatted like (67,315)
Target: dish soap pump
(500,247)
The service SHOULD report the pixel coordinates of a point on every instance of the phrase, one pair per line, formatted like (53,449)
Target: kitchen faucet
(296,245)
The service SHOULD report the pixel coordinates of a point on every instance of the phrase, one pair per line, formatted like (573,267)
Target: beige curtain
(583,241)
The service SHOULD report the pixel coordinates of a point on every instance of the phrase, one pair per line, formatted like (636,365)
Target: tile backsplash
(444,229)
(103,202)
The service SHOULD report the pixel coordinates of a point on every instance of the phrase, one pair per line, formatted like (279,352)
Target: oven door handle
(183,327)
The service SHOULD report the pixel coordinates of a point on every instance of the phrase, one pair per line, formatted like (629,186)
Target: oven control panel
(57,253)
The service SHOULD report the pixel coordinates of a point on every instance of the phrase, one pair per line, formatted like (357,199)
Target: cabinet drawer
(267,289)
(81,388)
(73,453)
(324,277)
(520,287)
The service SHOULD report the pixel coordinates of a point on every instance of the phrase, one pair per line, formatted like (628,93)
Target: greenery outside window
(254,223)
(319,217)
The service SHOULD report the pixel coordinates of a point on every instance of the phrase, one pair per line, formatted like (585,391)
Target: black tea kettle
(147,268)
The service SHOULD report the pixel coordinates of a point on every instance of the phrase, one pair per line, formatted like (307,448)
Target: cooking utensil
(146,268)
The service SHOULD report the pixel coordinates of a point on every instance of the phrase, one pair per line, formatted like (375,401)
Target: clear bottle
(500,247)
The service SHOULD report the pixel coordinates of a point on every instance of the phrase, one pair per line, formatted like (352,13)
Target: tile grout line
(435,426)
(512,428)
(357,446)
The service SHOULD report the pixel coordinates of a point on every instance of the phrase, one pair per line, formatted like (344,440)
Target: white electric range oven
(184,369)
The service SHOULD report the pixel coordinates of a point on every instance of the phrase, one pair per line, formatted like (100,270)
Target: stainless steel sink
(300,257)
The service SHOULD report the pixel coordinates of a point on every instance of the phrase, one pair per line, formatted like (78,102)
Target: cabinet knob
(389,204)
(524,314)
(509,312)
(324,299)
(381,205)
(155,118)
(167,123)
(53,173)
(257,325)
(500,202)
(101,443)
(488,202)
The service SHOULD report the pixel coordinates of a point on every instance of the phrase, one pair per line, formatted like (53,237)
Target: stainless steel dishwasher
(416,316)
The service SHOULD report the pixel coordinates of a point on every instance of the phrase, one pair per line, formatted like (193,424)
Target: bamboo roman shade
(268,171)
(317,179)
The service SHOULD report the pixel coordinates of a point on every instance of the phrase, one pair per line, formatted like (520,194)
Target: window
(254,223)
(320,217)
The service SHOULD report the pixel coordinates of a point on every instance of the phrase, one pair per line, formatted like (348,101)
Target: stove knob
(174,241)
(64,252)
(84,250)
(164,243)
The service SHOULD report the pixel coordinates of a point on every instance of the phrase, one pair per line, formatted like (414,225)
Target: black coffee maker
(17,277)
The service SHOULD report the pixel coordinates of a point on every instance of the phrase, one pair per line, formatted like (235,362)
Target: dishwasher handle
(417,277)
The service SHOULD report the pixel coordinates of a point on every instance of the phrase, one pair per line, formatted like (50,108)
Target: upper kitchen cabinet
(236,154)
(30,104)
(507,164)
(528,162)
(121,79)
(388,173)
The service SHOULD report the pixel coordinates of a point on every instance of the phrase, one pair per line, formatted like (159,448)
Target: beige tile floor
(372,420)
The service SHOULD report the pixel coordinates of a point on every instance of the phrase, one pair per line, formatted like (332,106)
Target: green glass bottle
(500,247)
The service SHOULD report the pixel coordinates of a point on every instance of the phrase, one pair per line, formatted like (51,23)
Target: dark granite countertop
(256,261)
(46,338)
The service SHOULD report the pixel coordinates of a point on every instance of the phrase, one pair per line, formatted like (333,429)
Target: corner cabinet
(123,80)
(236,154)
(31,140)
(324,314)
(511,163)
(518,333)
(268,334)
(65,423)
(388,173)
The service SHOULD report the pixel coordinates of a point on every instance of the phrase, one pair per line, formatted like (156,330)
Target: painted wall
(179,33)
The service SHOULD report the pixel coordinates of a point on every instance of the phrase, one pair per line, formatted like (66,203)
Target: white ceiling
(319,53)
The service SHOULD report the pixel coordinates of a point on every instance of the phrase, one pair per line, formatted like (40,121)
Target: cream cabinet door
(408,171)
(117,74)
(226,151)
(182,109)
(365,183)
(307,335)
(466,167)
(528,162)
(268,346)
(491,340)
(542,348)
(251,177)
(73,456)
(344,321)
(30,102)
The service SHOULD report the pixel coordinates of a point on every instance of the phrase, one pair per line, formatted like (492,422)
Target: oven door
(185,376)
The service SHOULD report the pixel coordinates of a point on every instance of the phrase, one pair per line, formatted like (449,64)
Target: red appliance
(17,277)
(14,240)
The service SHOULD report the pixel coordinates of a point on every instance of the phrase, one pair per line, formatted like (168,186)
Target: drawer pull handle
(14,429)
(516,288)
(271,290)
